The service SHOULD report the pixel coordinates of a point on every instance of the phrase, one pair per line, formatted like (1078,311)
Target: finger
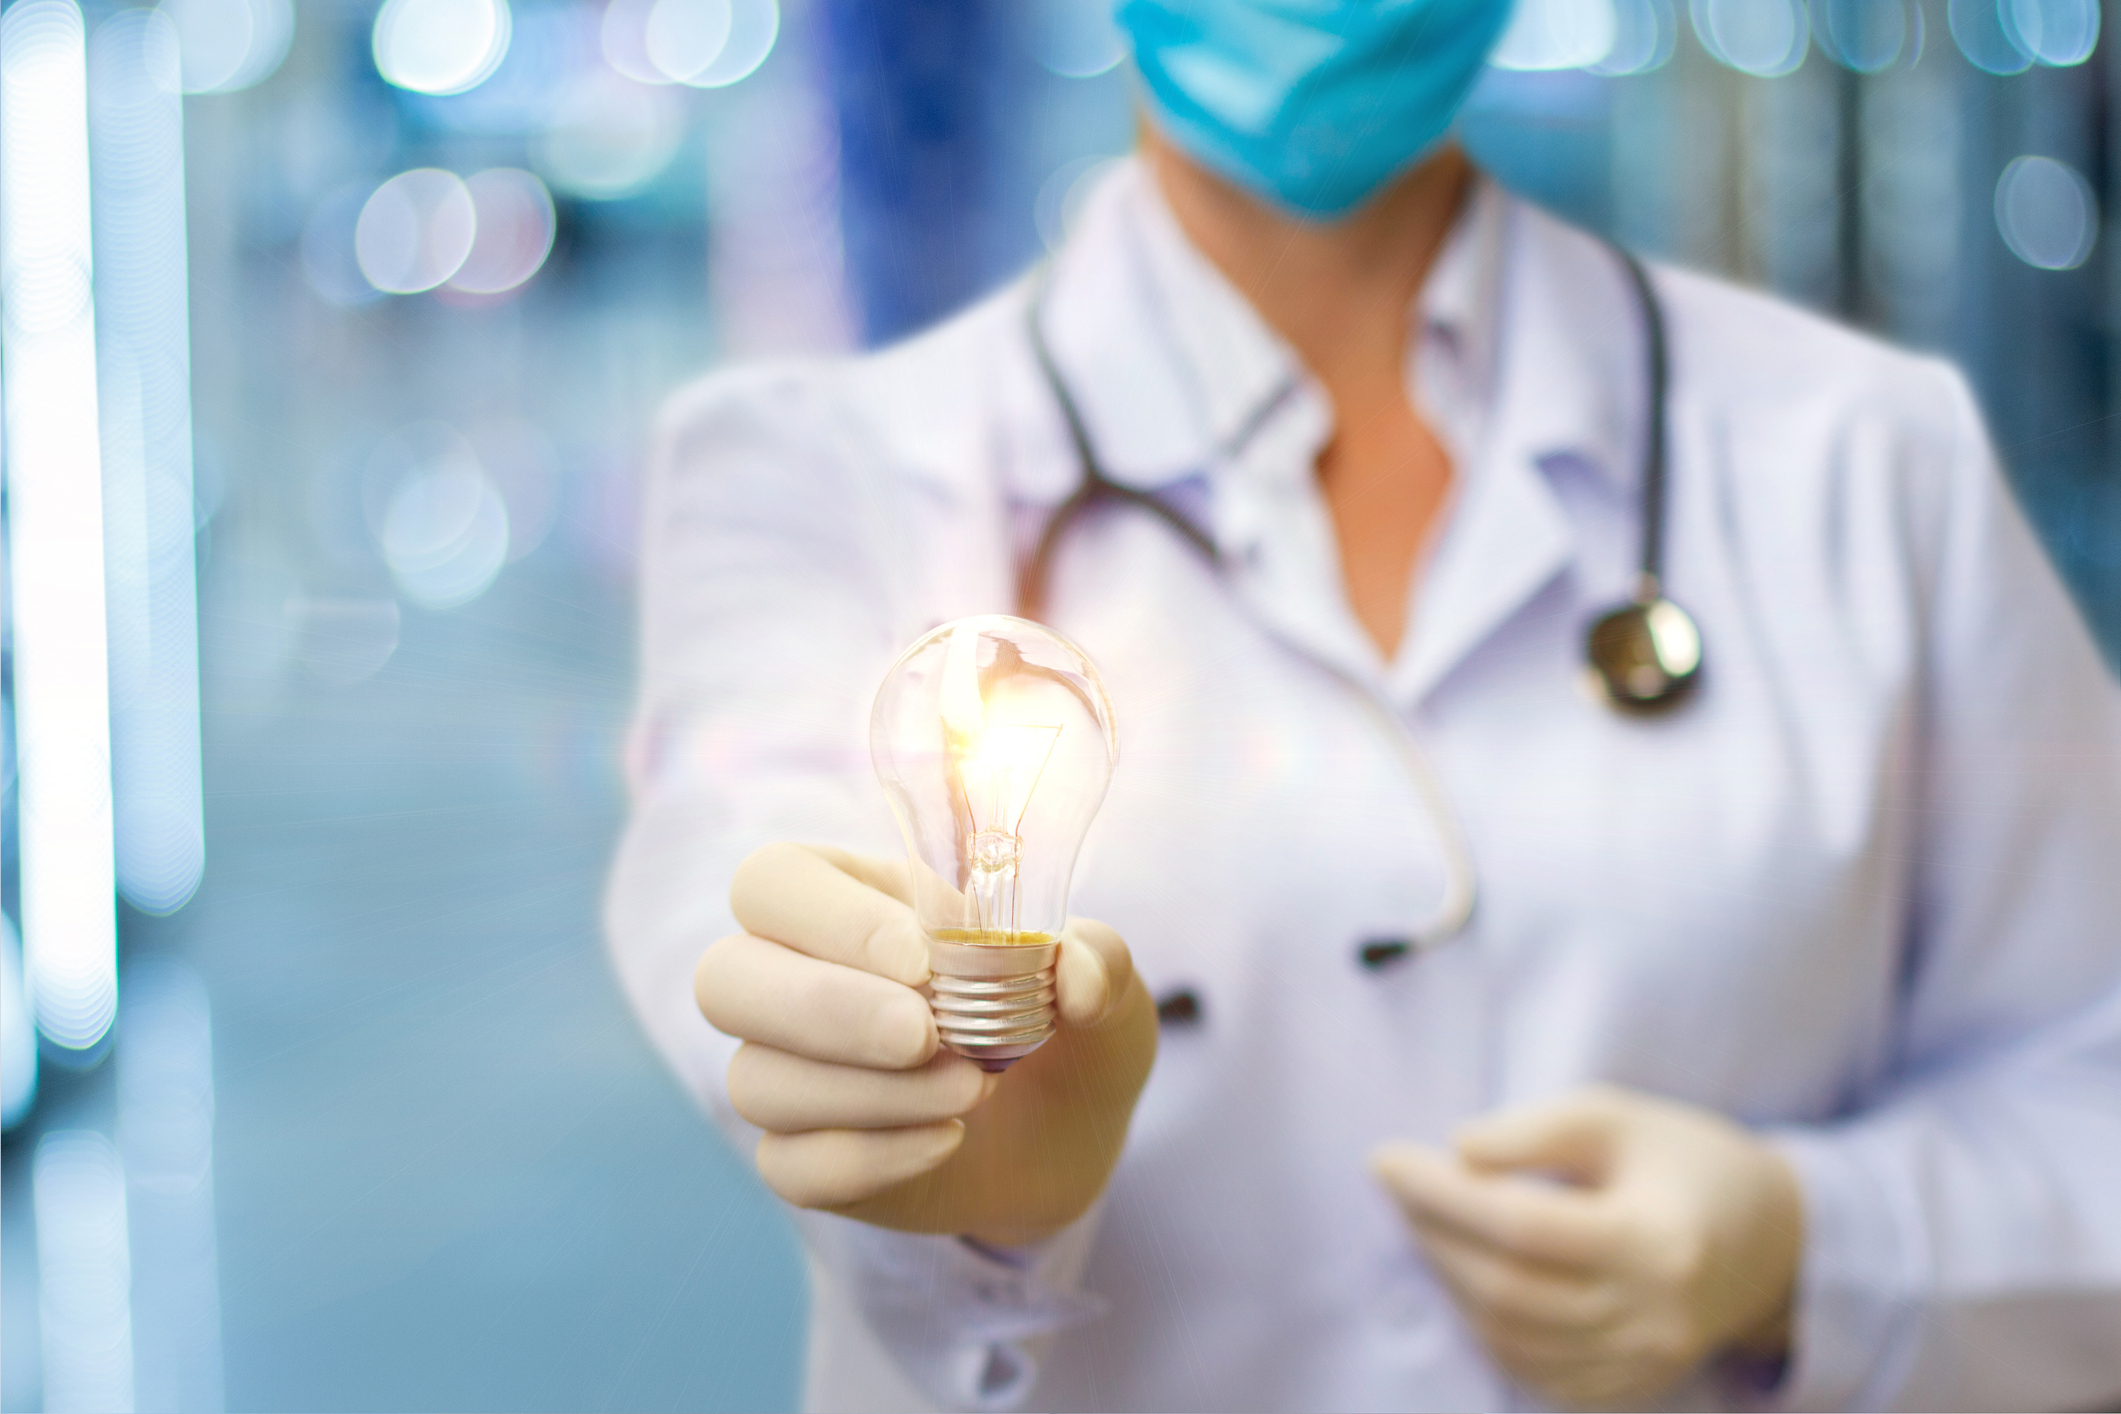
(1574,1136)
(886,876)
(797,896)
(755,990)
(1094,972)
(1562,1226)
(829,1168)
(1562,1306)
(778,1090)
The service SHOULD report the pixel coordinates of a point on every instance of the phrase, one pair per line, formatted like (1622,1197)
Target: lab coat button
(1180,1007)
(1379,953)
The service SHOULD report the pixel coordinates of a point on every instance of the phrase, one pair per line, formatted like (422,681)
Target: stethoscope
(1642,657)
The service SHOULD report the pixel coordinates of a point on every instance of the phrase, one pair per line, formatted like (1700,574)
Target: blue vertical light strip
(55,525)
(136,143)
(2033,340)
(913,82)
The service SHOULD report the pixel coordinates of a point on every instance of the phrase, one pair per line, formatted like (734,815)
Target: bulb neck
(993,1000)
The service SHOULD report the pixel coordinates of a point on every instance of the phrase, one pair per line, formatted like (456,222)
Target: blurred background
(333,333)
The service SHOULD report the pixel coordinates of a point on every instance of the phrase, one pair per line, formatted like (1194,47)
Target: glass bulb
(994,739)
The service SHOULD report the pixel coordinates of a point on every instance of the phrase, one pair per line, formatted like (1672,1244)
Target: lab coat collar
(1568,387)
(1173,369)
(1570,379)
(1457,334)
(1179,379)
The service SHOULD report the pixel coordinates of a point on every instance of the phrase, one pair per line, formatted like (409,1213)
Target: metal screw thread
(992,1004)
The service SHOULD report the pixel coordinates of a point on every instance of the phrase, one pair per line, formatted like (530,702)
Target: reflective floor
(449,1173)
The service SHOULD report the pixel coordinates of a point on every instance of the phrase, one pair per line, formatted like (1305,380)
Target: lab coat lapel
(1508,536)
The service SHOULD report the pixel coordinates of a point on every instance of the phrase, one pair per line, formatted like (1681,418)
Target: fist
(863,1114)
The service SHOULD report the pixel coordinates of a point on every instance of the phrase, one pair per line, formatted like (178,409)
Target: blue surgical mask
(1312,104)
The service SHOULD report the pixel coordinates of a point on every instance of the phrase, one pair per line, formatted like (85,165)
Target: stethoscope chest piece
(1644,657)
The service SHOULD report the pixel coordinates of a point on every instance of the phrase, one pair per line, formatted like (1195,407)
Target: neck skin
(1341,293)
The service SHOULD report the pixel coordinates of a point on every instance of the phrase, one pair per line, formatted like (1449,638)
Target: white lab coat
(1863,893)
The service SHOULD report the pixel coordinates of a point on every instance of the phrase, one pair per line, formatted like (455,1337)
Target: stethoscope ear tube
(1096,488)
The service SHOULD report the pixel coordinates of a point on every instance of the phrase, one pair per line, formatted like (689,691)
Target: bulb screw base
(993,1002)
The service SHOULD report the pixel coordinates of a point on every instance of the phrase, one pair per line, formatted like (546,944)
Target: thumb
(1574,1138)
(1094,972)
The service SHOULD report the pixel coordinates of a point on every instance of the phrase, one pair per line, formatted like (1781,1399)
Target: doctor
(1779,1060)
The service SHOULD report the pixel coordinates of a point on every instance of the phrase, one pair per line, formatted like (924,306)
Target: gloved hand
(1606,1245)
(864,1114)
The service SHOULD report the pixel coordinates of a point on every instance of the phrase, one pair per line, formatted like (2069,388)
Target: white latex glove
(1605,1245)
(864,1114)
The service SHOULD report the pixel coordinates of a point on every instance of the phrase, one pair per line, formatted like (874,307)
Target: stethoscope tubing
(1658,371)
(1035,576)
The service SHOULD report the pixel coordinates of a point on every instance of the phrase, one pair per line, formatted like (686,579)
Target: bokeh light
(608,137)
(1987,43)
(549,44)
(2054,32)
(55,525)
(1761,37)
(439,520)
(512,231)
(1867,36)
(1557,34)
(2047,213)
(441,46)
(1645,32)
(230,44)
(682,37)
(704,43)
(142,286)
(623,37)
(416,231)
(1077,38)
(754,25)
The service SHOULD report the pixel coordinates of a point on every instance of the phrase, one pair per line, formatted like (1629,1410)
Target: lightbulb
(994,739)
